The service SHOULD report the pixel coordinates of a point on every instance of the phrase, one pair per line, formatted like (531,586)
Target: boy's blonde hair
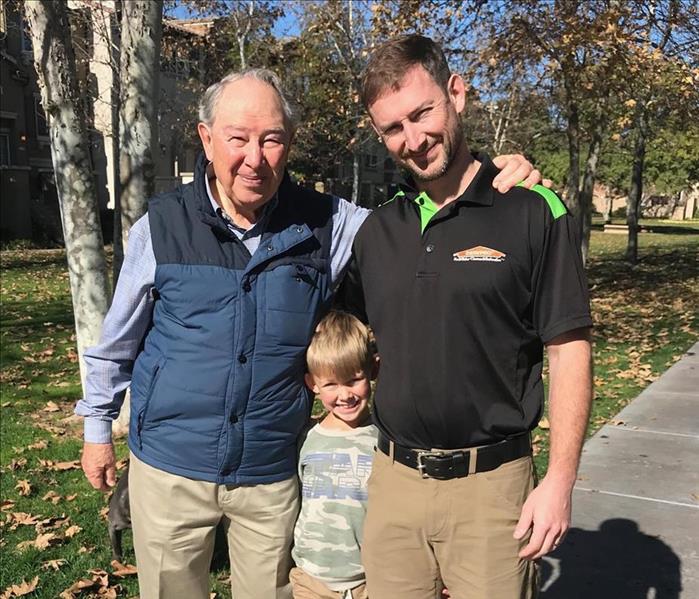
(341,346)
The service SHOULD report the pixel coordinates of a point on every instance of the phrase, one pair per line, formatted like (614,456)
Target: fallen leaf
(17,464)
(21,589)
(76,587)
(53,563)
(122,570)
(73,465)
(45,540)
(52,496)
(51,407)
(6,505)
(43,444)
(544,424)
(23,487)
(52,523)
(72,531)
(22,518)
(51,429)
(72,497)
(6,404)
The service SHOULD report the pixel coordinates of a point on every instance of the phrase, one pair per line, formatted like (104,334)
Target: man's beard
(451,149)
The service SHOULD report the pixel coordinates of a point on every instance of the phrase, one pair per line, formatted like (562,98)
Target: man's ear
(456,90)
(310,382)
(206,140)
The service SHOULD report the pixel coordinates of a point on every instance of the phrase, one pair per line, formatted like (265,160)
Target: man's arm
(547,510)
(515,168)
(109,364)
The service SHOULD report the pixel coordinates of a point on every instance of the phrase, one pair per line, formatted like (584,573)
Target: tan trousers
(306,586)
(418,530)
(174,521)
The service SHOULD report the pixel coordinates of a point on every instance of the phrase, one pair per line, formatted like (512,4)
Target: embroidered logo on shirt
(480,253)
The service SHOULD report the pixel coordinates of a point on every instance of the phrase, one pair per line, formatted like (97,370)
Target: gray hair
(208,102)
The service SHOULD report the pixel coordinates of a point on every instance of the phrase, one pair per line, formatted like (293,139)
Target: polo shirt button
(430,248)
(242,358)
(270,248)
(299,230)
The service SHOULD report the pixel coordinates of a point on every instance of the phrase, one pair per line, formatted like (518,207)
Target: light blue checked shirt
(109,364)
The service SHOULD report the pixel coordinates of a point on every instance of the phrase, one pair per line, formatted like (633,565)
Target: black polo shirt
(462,301)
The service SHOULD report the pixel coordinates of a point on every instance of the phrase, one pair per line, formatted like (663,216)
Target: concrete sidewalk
(635,529)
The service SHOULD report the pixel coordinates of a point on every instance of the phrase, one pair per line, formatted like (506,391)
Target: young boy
(335,463)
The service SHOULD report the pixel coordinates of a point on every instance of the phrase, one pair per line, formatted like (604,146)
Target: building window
(370,161)
(40,122)
(5,150)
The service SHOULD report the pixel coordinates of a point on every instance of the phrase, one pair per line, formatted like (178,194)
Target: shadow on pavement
(618,561)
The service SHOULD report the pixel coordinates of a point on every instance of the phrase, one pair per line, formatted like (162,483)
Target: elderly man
(470,287)
(222,285)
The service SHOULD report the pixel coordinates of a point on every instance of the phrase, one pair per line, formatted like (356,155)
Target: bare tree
(54,60)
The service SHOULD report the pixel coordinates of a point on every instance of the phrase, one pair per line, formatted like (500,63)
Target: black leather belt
(444,464)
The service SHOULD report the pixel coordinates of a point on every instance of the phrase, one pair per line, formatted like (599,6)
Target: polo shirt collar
(480,190)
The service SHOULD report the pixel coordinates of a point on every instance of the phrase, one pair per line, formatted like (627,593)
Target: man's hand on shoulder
(547,513)
(515,168)
(99,464)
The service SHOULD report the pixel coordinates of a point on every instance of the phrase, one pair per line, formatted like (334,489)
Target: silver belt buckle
(428,454)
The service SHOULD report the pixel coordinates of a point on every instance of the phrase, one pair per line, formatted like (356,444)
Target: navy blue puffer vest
(217,392)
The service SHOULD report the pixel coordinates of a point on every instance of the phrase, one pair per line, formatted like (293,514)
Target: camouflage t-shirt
(334,467)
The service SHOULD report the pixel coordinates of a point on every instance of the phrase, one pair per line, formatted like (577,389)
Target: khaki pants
(418,530)
(306,586)
(174,521)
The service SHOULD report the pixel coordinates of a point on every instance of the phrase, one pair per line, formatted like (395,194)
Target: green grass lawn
(52,524)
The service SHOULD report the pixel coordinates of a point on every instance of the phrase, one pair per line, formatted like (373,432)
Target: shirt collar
(480,190)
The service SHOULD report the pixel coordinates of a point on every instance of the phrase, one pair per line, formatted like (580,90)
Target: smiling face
(248,143)
(345,399)
(419,123)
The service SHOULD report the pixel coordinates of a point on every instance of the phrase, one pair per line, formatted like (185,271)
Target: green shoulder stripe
(398,194)
(557,207)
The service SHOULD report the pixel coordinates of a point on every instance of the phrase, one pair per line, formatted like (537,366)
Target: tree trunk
(138,108)
(573,134)
(355,177)
(636,190)
(588,186)
(55,65)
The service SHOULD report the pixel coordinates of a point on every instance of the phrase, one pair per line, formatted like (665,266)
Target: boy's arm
(547,509)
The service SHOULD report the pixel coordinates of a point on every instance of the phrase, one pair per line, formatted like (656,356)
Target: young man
(464,286)
(335,462)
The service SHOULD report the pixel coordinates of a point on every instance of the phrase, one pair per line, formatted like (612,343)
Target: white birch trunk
(141,32)
(54,60)
(355,177)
